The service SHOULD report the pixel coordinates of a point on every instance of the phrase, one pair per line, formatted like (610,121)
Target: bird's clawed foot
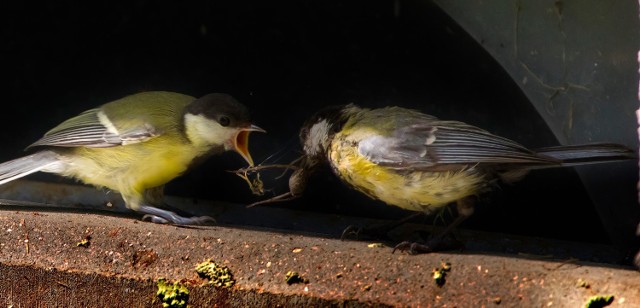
(378,232)
(438,243)
(178,220)
(349,231)
(356,232)
(160,216)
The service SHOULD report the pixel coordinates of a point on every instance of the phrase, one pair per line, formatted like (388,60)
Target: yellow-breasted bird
(136,144)
(420,163)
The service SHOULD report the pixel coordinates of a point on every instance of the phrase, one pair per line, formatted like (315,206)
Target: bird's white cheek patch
(205,132)
(317,136)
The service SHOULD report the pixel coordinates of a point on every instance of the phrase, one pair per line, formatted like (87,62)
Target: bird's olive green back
(159,109)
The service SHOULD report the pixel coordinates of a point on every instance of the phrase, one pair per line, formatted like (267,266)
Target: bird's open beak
(241,142)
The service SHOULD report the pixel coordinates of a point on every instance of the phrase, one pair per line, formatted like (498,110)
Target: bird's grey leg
(154,197)
(379,231)
(439,242)
(161,216)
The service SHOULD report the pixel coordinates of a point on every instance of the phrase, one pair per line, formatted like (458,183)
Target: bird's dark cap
(218,105)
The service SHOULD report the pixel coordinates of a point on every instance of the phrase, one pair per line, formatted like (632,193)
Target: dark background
(284,60)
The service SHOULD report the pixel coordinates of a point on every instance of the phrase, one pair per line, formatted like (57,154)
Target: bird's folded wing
(92,128)
(424,145)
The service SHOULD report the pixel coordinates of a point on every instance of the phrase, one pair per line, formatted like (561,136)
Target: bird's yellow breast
(410,190)
(133,168)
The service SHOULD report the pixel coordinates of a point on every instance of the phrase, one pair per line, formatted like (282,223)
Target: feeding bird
(420,163)
(136,144)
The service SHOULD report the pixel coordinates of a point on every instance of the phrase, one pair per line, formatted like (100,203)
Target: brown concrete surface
(42,266)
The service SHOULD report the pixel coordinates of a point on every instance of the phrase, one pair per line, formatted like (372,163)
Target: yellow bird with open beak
(137,144)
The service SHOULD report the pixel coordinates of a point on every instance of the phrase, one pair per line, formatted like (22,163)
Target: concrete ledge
(41,265)
(27,286)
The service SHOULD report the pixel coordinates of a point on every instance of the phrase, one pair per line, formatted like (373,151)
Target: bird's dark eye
(224,121)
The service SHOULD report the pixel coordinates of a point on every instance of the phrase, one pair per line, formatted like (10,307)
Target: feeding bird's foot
(438,243)
(379,232)
(374,232)
(351,230)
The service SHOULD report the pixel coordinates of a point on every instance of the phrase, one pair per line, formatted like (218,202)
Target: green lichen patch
(172,295)
(599,301)
(440,274)
(293,277)
(218,275)
(84,243)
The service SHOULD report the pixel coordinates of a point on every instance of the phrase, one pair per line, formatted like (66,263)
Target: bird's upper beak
(241,142)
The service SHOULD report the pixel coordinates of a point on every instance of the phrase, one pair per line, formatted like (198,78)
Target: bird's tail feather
(23,166)
(570,155)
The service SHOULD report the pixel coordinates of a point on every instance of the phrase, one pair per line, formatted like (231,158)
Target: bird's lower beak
(241,142)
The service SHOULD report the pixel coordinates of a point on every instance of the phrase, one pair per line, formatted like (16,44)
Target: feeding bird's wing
(424,142)
(94,129)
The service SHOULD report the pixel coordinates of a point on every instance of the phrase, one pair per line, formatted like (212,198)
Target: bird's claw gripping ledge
(160,216)
(434,245)
(351,230)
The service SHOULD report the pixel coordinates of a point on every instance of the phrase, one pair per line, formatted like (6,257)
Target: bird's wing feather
(93,129)
(424,142)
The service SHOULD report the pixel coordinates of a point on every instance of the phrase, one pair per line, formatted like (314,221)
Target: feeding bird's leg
(440,242)
(377,231)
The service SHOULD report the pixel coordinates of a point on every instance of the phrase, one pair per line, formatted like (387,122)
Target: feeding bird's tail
(571,155)
(23,166)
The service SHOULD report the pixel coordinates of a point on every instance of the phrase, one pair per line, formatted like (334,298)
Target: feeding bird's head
(318,130)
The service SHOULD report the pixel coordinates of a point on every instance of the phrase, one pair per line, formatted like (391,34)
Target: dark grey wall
(283,60)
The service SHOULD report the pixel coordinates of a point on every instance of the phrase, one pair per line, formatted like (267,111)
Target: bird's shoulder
(387,123)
